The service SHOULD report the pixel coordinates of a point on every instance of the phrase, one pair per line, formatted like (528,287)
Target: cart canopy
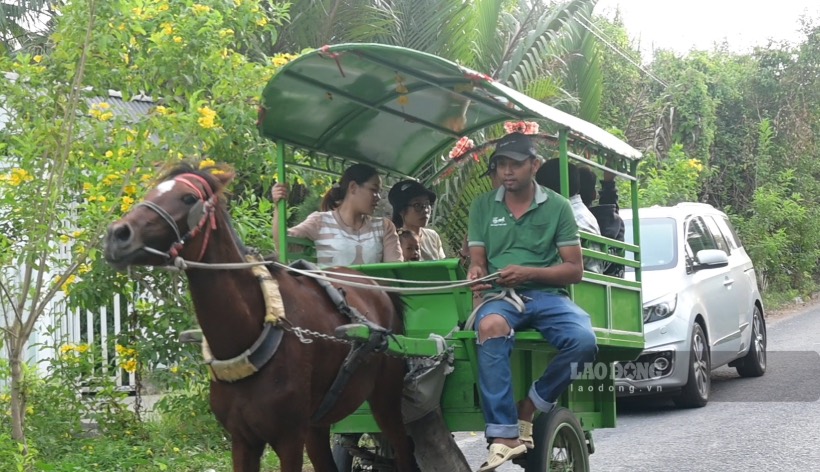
(398,109)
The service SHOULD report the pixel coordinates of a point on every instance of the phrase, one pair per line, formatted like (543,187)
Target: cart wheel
(356,452)
(560,444)
(753,364)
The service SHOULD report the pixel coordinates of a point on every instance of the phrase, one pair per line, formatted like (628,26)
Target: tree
(72,164)
(25,24)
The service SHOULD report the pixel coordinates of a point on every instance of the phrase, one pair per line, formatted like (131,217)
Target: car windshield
(658,242)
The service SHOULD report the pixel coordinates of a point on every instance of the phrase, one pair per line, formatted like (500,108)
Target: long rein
(181,264)
(207,222)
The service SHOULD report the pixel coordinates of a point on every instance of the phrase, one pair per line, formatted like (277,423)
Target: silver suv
(702,308)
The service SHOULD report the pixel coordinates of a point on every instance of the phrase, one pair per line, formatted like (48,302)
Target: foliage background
(739,131)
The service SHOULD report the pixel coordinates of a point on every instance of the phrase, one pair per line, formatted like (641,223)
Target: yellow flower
(130,365)
(177,39)
(197,8)
(403,100)
(64,239)
(207,163)
(129,189)
(225,32)
(145,178)
(121,27)
(279,60)
(163,7)
(176,449)
(237,2)
(67,283)
(103,106)
(82,348)
(217,172)
(66,348)
(206,117)
(77,234)
(106,116)
(30,410)
(83,269)
(695,164)
(109,154)
(126,58)
(18,176)
(174,370)
(37,58)
(262,21)
(167,28)
(126,203)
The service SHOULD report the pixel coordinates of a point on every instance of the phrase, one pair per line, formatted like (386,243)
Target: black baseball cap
(516,146)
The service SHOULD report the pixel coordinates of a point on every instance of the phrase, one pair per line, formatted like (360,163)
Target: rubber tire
(345,461)
(341,456)
(753,364)
(563,421)
(690,395)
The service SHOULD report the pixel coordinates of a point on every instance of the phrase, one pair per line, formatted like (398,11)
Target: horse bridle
(203,210)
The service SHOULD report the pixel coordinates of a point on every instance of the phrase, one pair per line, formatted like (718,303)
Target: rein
(206,204)
(182,264)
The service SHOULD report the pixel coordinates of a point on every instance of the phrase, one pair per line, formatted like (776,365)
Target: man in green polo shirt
(528,234)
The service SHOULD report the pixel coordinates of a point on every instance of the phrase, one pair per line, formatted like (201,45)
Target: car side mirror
(711,259)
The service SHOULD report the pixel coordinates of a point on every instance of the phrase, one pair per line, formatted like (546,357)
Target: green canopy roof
(396,108)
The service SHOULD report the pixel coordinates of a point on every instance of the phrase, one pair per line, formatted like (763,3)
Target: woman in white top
(412,204)
(345,232)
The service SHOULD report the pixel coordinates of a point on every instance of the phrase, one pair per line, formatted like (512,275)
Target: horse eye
(189,199)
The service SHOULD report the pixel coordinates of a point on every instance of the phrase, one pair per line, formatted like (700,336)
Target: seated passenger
(549,175)
(606,212)
(412,205)
(345,232)
(410,249)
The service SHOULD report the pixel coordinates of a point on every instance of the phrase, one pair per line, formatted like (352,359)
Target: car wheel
(695,393)
(753,363)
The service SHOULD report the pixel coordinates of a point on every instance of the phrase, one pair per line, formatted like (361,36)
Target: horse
(185,215)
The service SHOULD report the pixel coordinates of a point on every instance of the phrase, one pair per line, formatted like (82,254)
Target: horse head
(176,218)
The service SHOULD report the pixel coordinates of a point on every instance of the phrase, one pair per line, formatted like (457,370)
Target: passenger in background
(412,205)
(549,175)
(410,249)
(606,212)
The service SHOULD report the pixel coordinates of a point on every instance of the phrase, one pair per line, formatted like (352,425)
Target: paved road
(770,423)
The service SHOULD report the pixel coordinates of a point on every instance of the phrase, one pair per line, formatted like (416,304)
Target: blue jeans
(562,323)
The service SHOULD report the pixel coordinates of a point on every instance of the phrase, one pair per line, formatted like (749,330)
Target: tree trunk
(18,397)
(434,447)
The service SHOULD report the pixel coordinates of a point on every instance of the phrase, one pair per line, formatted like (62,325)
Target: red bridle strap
(209,200)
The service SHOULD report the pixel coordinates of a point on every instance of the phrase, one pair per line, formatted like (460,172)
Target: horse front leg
(290,450)
(318,449)
(246,456)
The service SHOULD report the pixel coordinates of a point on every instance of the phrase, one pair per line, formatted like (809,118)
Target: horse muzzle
(120,248)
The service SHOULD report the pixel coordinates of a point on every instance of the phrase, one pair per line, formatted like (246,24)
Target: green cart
(401,111)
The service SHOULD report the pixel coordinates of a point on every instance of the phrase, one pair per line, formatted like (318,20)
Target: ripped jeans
(562,323)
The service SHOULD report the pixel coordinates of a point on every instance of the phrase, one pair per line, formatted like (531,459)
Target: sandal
(525,433)
(499,454)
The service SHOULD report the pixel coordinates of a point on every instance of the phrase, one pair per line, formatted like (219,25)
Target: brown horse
(184,215)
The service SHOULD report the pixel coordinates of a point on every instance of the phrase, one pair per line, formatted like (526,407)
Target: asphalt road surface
(770,423)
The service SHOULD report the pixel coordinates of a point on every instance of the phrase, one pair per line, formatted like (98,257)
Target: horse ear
(223,174)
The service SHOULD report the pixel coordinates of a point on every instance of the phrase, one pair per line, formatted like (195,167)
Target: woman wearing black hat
(412,205)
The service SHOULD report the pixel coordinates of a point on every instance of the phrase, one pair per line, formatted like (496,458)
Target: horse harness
(201,217)
(265,347)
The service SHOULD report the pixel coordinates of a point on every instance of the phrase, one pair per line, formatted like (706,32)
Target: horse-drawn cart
(400,111)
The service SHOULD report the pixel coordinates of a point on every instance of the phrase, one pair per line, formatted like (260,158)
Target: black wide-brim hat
(406,190)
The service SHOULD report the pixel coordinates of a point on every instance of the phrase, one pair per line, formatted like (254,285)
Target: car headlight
(660,308)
